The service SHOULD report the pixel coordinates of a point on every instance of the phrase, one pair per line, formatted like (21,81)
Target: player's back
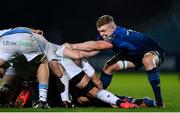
(131,42)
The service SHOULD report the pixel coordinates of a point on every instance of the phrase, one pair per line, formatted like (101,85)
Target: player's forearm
(73,54)
(92,46)
(89,54)
(86,46)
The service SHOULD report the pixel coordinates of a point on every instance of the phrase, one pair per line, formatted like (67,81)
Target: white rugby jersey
(29,44)
(4,30)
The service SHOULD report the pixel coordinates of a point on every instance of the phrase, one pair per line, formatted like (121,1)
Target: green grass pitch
(131,84)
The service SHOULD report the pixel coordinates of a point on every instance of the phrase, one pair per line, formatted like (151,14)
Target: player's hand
(68,45)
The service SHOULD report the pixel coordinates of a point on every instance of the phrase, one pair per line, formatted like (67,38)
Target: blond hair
(105,19)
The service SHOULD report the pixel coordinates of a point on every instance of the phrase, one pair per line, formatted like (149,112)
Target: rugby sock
(65,94)
(108,97)
(154,79)
(43,89)
(106,79)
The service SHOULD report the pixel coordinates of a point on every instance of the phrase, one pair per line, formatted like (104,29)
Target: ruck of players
(40,74)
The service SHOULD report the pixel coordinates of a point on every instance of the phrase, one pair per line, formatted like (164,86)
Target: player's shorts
(159,56)
(137,59)
(72,69)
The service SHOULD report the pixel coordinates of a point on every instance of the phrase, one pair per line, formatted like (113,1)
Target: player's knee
(82,100)
(149,62)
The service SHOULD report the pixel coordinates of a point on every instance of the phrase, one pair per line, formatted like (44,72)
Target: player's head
(105,25)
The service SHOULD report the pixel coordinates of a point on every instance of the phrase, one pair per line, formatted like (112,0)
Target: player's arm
(74,54)
(89,54)
(91,45)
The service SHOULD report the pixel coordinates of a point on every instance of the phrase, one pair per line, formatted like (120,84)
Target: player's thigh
(56,68)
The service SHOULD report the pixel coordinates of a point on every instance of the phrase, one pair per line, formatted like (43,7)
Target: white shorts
(72,69)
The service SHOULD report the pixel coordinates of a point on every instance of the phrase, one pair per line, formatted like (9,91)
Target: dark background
(74,20)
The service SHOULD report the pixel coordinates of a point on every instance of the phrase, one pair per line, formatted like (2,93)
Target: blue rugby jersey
(131,43)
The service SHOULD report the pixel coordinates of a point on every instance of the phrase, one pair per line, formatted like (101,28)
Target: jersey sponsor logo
(18,43)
